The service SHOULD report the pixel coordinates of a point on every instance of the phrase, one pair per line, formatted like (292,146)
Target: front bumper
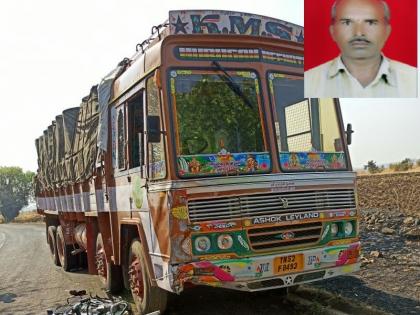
(265,272)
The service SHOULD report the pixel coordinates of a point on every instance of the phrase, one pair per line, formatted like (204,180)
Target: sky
(53,51)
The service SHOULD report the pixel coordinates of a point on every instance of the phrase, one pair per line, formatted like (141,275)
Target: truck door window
(307,130)
(121,153)
(136,130)
(157,166)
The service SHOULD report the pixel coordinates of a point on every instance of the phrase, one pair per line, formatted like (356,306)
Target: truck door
(136,176)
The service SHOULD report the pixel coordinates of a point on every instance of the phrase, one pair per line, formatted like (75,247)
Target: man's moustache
(359,39)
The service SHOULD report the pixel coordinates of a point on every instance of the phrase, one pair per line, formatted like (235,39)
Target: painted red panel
(320,48)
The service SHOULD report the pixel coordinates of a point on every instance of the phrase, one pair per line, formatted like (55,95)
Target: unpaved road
(31,284)
(29,281)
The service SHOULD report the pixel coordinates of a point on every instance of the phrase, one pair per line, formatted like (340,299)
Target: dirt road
(31,284)
(29,281)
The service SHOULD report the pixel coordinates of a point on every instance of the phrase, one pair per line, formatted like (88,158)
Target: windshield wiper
(232,84)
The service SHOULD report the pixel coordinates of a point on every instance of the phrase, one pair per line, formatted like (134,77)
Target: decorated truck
(198,161)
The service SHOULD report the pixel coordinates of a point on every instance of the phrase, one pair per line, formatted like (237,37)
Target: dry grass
(389,171)
(25,217)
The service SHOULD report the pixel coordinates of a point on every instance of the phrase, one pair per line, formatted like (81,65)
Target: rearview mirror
(349,131)
(153,129)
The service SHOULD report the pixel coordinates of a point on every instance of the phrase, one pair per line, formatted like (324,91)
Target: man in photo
(360,29)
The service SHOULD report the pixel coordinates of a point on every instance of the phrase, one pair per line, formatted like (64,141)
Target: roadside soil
(390,234)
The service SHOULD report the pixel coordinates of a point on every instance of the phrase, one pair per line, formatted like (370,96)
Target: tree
(15,191)
(373,168)
(402,166)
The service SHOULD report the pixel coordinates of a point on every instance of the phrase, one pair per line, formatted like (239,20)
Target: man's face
(360,28)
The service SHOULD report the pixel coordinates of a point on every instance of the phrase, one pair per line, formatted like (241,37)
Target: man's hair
(387,11)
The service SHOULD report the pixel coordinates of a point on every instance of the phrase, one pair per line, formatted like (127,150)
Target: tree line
(405,165)
(16,190)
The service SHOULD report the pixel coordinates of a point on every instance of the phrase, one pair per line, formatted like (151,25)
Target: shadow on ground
(356,289)
(210,301)
(8,297)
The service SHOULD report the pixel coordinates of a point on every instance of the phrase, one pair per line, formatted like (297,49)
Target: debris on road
(82,304)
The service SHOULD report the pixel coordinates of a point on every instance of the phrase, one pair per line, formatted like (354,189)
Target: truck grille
(282,236)
(251,206)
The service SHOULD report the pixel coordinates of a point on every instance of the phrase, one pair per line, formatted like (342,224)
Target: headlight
(348,229)
(334,229)
(202,243)
(224,241)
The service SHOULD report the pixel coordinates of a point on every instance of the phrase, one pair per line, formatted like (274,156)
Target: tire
(147,298)
(67,260)
(109,274)
(52,244)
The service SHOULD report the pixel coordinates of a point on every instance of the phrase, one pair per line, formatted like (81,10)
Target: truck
(198,161)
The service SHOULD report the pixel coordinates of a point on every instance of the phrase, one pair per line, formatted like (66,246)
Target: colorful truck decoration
(198,161)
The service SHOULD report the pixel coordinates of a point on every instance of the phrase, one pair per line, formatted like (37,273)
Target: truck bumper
(271,271)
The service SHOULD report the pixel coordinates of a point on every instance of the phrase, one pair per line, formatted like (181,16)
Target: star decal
(288,280)
(179,26)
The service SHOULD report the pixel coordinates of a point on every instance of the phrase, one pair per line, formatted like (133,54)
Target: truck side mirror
(349,131)
(153,129)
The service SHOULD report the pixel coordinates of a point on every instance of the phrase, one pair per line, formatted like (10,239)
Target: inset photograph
(361,48)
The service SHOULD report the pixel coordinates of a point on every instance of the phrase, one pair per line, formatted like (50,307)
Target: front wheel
(148,298)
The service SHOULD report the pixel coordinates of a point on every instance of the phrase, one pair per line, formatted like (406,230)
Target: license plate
(286,264)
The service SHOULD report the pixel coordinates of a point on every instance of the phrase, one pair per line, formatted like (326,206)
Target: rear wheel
(67,260)
(51,234)
(109,274)
(148,298)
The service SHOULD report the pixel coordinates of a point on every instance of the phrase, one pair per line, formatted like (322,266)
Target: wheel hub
(101,263)
(136,278)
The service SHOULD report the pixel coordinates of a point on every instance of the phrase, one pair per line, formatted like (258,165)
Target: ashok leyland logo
(283,202)
(286,235)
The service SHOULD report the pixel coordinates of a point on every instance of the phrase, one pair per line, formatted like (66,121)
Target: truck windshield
(307,130)
(218,123)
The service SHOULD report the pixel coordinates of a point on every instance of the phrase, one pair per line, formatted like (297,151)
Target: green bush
(373,168)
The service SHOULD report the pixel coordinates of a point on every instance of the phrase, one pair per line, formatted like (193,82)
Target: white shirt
(332,79)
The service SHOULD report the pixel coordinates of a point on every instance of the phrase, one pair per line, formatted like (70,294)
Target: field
(390,191)
(25,217)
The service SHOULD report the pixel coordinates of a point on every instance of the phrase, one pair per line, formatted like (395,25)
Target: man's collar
(337,66)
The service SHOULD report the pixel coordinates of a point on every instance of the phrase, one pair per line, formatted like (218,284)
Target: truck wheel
(109,274)
(67,260)
(52,231)
(148,298)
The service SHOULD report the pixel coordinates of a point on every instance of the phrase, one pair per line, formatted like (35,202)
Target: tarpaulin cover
(59,148)
(68,149)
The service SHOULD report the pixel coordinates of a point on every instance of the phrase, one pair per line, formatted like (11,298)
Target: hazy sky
(53,51)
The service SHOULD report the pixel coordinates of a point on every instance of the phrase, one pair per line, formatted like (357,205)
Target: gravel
(389,278)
